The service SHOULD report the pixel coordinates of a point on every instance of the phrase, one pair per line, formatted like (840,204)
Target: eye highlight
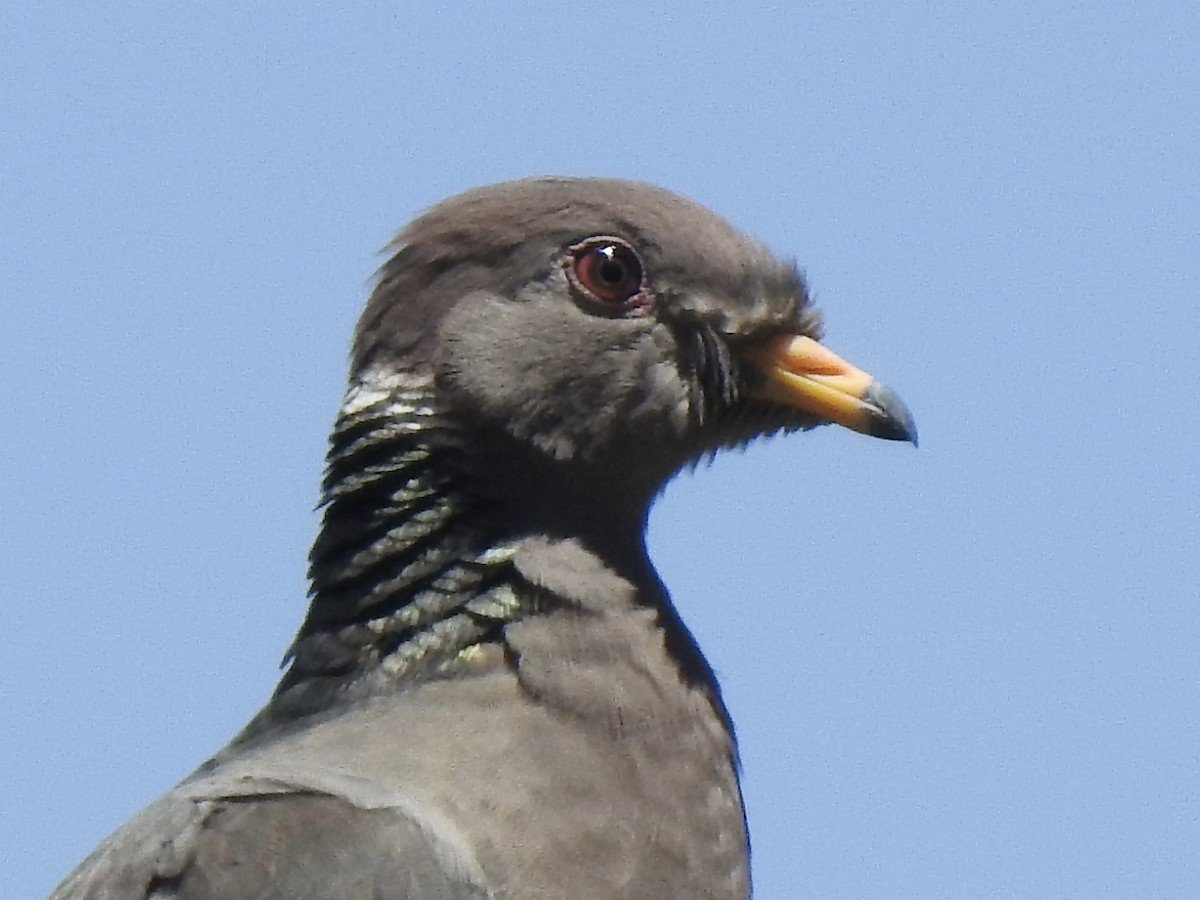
(607,269)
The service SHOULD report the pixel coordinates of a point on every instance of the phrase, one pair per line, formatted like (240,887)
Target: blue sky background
(970,670)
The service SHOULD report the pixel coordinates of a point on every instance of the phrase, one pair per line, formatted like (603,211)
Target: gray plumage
(491,695)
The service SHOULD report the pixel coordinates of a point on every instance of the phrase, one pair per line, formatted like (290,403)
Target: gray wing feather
(285,845)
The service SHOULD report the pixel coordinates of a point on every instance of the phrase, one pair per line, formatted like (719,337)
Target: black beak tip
(890,418)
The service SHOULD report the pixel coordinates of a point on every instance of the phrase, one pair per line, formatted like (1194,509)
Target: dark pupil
(611,270)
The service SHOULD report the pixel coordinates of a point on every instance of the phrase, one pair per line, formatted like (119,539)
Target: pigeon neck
(413,578)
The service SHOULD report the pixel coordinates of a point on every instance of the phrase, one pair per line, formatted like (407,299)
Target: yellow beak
(805,375)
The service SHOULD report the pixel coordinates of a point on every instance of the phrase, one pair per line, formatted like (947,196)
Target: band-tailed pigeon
(492,695)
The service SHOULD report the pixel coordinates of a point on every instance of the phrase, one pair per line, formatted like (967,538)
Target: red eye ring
(608,270)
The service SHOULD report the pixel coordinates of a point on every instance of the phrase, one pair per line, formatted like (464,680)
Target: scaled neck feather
(411,577)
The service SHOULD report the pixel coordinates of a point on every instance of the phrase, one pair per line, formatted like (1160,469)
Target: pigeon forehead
(674,231)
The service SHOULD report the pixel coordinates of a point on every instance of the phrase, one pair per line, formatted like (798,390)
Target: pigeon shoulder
(213,839)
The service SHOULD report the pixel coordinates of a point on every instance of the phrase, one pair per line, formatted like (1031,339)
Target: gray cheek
(548,372)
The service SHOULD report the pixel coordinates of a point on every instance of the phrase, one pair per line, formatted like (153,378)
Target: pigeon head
(607,324)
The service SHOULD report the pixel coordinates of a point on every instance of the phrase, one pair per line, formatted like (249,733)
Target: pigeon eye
(608,270)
